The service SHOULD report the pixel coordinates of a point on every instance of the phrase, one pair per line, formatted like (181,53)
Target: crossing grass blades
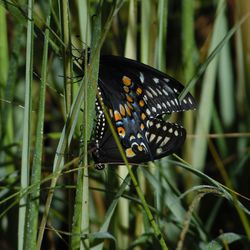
(137,97)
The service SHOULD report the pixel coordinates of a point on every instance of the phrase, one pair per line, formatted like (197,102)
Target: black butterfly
(137,96)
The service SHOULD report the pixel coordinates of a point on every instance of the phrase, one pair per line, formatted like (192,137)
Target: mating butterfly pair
(137,96)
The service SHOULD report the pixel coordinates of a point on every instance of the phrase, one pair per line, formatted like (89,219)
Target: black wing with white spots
(137,96)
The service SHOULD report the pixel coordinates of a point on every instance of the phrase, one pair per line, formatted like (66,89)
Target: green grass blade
(80,223)
(188,62)
(33,198)
(111,209)
(84,21)
(162,34)
(226,81)
(3,50)
(67,52)
(224,239)
(130,47)
(145,30)
(70,125)
(207,95)
(26,124)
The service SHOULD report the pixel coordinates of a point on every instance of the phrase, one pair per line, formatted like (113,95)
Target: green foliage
(50,194)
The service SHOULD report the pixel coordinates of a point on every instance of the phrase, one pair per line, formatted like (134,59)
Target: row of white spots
(100,126)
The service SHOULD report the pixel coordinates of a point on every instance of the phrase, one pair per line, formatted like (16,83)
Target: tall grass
(50,194)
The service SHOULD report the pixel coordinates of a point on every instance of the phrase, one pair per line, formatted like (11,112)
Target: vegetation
(52,197)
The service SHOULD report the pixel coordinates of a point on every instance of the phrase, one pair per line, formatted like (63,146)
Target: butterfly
(137,97)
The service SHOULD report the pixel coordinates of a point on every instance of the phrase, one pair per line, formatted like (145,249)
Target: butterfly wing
(160,91)
(136,96)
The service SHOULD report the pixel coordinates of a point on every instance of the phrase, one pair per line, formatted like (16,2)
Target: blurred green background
(199,199)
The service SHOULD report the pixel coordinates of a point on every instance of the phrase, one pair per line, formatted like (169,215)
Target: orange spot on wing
(141,103)
(130,106)
(138,91)
(129,152)
(142,126)
(143,116)
(127,109)
(117,116)
(129,98)
(126,89)
(140,148)
(121,132)
(126,81)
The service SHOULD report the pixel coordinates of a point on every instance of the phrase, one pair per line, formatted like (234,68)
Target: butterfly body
(136,97)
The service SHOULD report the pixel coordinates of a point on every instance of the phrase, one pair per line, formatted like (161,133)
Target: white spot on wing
(158,139)
(154,109)
(152,91)
(148,112)
(158,125)
(132,137)
(142,77)
(139,135)
(159,151)
(176,133)
(156,80)
(148,93)
(190,100)
(159,91)
(165,92)
(164,142)
(152,136)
